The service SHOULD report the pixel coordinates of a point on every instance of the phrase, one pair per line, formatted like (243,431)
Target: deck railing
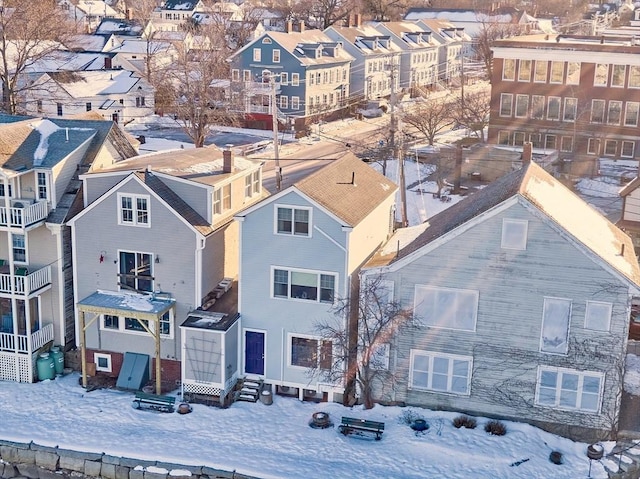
(25,285)
(22,213)
(9,341)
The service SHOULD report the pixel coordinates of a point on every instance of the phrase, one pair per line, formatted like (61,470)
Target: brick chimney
(358,20)
(289,26)
(527,153)
(302,26)
(227,160)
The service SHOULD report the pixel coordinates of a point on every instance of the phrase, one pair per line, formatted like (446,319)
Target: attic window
(514,234)
(266,41)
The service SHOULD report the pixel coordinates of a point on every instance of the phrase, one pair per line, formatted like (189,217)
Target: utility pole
(274,121)
(395,146)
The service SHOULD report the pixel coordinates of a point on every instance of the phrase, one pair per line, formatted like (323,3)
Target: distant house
(173,14)
(309,70)
(40,162)
(151,245)
(313,238)
(87,14)
(116,95)
(472,21)
(630,220)
(374,72)
(521,296)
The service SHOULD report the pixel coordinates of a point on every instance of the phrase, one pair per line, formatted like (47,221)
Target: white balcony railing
(22,213)
(27,284)
(9,341)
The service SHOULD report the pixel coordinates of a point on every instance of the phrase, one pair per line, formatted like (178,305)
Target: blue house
(306,72)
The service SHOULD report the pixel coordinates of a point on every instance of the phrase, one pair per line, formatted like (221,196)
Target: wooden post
(83,349)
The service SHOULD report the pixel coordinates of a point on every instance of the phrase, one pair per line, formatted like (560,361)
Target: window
(573,73)
(514,234)
(522,106)
(518,138)
(566,143)
(140,101)
(570,109)
(275,55)
(557,72)
(164,322)
(509,69)
(634,76)
(295,103)
(615,112)
(628,149)
(597,111)
(252,184)
(524,73)
(593,146)
(537,107)
(257,55)
(103,362)
(134,210)
(631,113)
(503,138)
(440,372)
(506,100)
(617,75)
(379,358)
(19,248)
(553,108)
(59,108)
(550,142)
(446,308)
(235,75)
(284,102)
(88,106)
(134,324)
(598,316)
(569,389)
(226,197)
(304,285)
(556,315)
(295,79)
(222,199)
(43,185)
(610,147)
(540,72)
(135,271)
(601,74)
(284,78)
(311,353)
(111,322)
(293,221)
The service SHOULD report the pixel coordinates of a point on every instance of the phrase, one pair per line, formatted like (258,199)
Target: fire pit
(184,408)
(320,420)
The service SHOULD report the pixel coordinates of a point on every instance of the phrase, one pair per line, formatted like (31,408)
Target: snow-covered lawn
(275,441)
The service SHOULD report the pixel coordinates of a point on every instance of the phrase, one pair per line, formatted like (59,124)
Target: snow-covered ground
(275,441)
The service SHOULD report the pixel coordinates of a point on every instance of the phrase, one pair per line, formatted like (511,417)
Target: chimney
(129,13)
(107,63)
(289,26)
(527,153)
(227,160)
(301,26)
(350,22)
(358,20)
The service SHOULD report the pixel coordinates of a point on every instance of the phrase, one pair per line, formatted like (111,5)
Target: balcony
(22,213)
(24,283)
(37,339)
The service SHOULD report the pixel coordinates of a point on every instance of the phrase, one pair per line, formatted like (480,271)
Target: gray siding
(95,186)
(231,350)
(204,361)
(64,171)
(505,346)
(195,195)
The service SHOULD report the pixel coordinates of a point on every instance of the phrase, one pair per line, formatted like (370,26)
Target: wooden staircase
(624,460)
(249,390)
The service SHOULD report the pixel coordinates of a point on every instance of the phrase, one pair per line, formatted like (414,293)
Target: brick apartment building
(579,95)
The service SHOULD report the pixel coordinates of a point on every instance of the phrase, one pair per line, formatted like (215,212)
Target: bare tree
(472,111)
(362,347)
(429,116)
(322,14)
(29,31)
(490,31)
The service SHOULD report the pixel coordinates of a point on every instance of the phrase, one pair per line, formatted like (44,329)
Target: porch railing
(22,213)
(24,285)
(8,341)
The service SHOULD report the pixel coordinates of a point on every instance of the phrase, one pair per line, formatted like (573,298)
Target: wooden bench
(153,401)
(361,427)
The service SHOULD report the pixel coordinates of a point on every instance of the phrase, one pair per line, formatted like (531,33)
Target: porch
(23,282)
(22,213)
(18,353)
(25,343)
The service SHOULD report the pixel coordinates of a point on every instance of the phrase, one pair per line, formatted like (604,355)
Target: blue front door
(254,353)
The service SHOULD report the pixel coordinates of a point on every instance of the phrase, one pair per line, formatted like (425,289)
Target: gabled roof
(181,5)
(356,35)
(631,186)
(560,205)
(347,187)
(93,83)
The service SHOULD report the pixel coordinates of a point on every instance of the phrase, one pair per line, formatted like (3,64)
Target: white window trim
(383,352)
(46,185)
(257,54)
(586,314)
(26,248)
(134,205)
(633,149)
(432,355)
(551,80)
(544,306)
(457,290)
(275,55)
(503,97)
(295,79)
(122,329)
(293,208)
(97,356)
(559,101)
(568,108)
(581,375)
(301,270)
(504,69)
(522,243)
(519,98)
(626,113)
(290,337)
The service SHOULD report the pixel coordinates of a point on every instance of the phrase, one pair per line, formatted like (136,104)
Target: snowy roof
(94,83)
(534,185)
(118,26)
(141,46)
(96,7)
(183,5)
(358,36)
(212,321)
(143,304)
(62,60)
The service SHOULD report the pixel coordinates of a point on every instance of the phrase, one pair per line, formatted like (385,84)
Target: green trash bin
(45,367)
(58,359)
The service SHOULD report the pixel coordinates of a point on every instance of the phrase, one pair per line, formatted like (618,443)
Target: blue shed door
(254,353)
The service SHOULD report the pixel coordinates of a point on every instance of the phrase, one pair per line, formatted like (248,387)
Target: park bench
(153,401)
(361,427)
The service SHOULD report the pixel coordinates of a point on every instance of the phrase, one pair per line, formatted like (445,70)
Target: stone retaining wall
(33,461)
